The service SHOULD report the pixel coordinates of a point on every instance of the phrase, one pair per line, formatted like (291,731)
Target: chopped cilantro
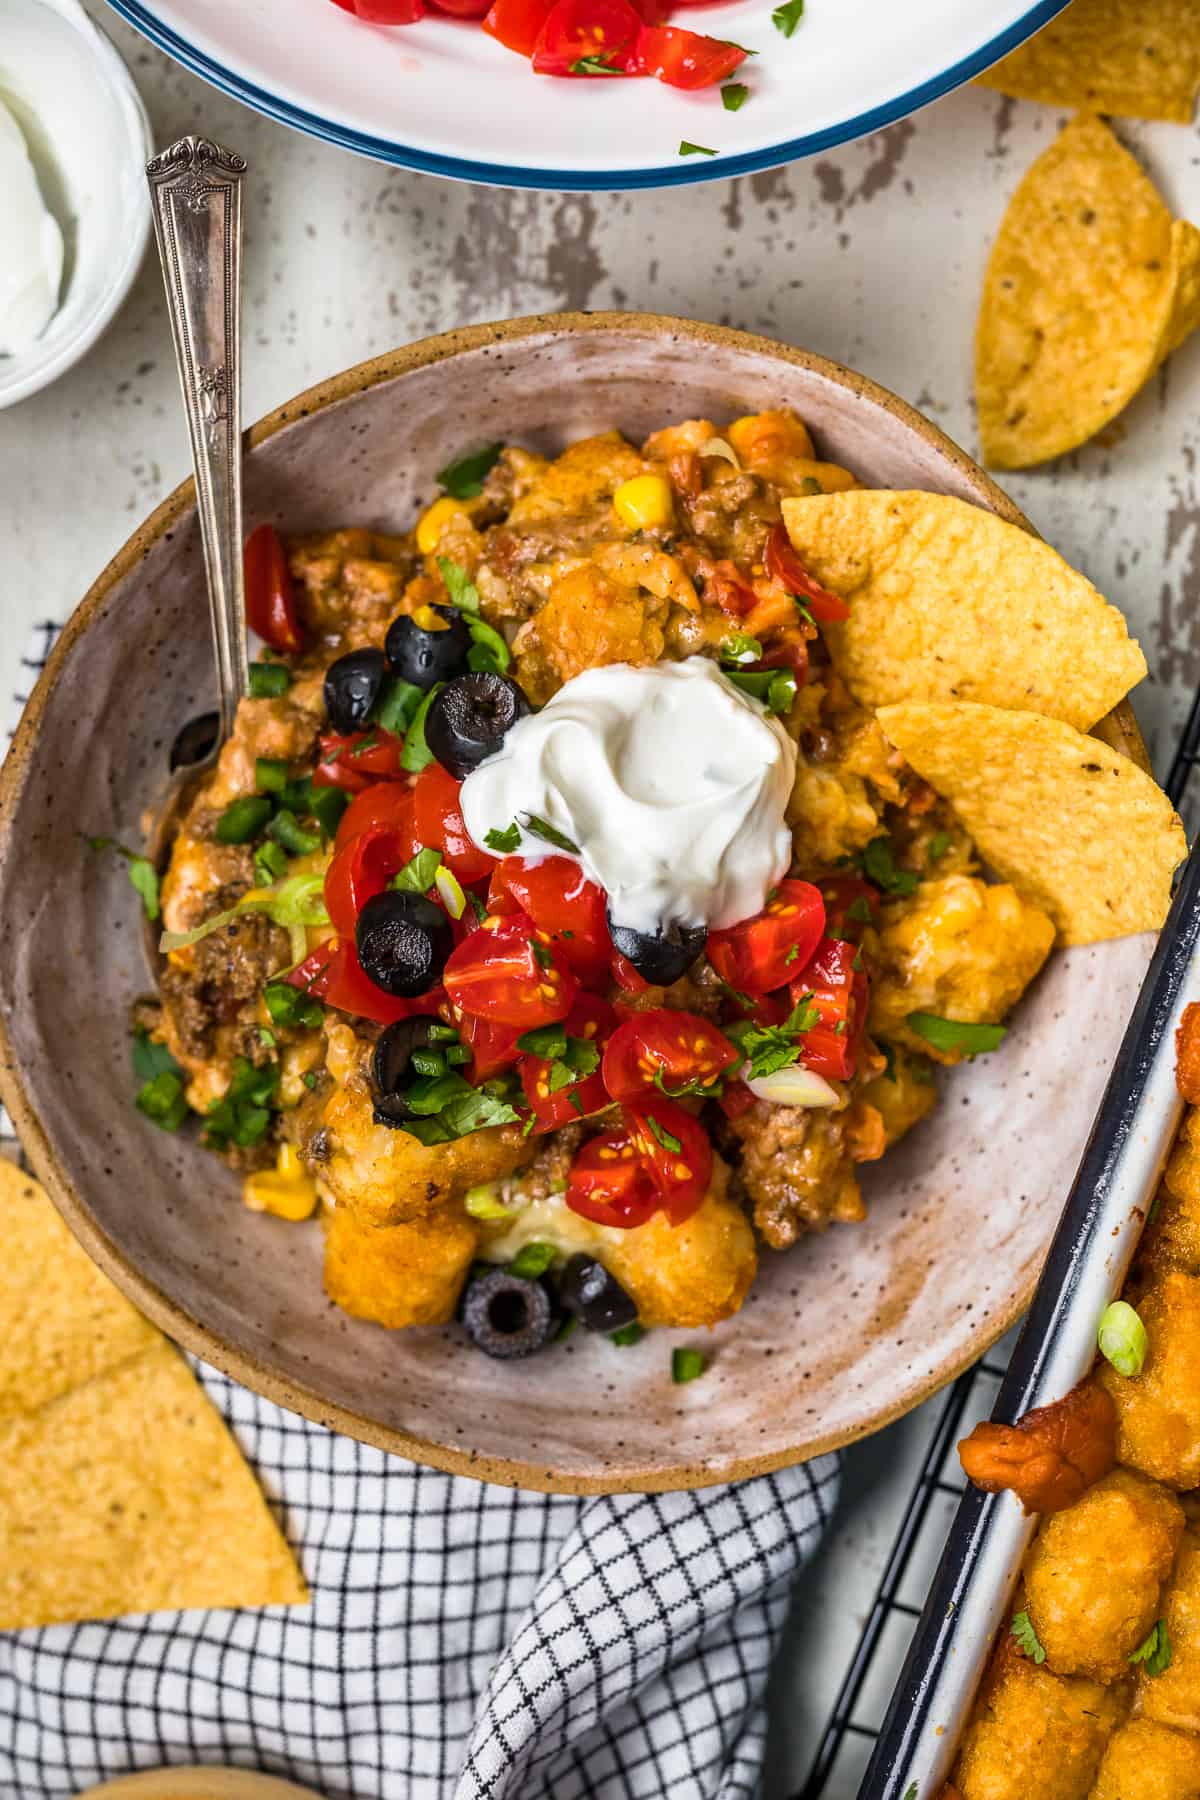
(768,1048)
(489,654)
(1027,1638)
(707,1089)
(792,954)
(879,866)
(162,1101)
(448,1107)
(477,905)
(505,842)
(955,1034)
(734,96)
(1154,1652)
(540,951)
(938,845)
(150,1058)
(594,65)
(287,1005)
(416,877)
(461,589)
(549,834)
(663,1136)
(860,911)
(243,1115)
(686,1365)
(416,754)
(688,149)
(270,861)
(785,18)
(143,878)
(463,478)
(395,708)
(547,1041)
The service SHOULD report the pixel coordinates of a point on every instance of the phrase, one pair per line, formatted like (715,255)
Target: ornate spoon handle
(196,195)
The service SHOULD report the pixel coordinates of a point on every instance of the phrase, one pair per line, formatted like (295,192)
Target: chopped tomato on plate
(513,975)
(686,59)
(610,1184)
(785,567)
(334,975)
(517,23)
(553,1099)
(838,990)
(559,899)
(762,953)
(352,761)
(588,37)
(667,1049)
(675,1149)
(271,607)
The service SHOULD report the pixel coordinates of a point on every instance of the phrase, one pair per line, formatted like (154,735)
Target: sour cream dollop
(670,780)
(31,245)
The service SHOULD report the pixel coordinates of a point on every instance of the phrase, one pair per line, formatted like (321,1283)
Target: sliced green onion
(287,1005)
(741,648)
(268,680)
(428,1062)
(327,804)
(531,1261)
(270,863)
(781,692)
(457,1055)
(686,1365)
(287,830)
(300,900)
(243,819)
(162,1100)
(270,774)
(956,1034)
(483,1201)
(450,888)
(633,1333)
(1122,1338)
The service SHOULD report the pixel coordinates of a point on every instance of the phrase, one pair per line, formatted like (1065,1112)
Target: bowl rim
(139,140)
(168,1314)
(332,130)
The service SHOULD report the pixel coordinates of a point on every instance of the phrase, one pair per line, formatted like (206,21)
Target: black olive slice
(403,941)
(587,1289)
(424,657)
(505,1315)
(661,957)
(195,741)
(352,685)
(393,1054)
(469,719)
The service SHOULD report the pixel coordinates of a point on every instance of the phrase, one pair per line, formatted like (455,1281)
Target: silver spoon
(196,197)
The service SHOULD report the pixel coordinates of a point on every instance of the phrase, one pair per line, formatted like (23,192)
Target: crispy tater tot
(1145,1761)
(1094,1578)
(1158,1411)
(1173,1696)
(398,1275)
(1036,1735)
(691,1274)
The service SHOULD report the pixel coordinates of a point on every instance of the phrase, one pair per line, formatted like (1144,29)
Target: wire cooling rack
(845,1746)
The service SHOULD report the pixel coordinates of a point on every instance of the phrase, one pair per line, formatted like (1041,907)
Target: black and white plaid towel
(463,1641)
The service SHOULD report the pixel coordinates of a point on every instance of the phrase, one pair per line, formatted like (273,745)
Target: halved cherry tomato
(579,30)
(785,567)
(516,23)
(845,895)
(352,761)
(685,59)
(676,1152)
(727,588)
(511,975)
(764,952)
(626,976)
(492,1047)
(594,1020)
(838,990)
(439,823)
(679,1047)
(384,12)
(610,1184)
(383,803)
(559,899)
(334,975)
(271,608)
(362,868)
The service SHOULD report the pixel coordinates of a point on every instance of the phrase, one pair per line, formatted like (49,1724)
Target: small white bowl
(89,138)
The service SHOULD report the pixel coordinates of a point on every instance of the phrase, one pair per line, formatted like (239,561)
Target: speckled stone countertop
(872,254)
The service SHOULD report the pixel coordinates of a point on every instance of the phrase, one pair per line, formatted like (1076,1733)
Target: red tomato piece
(594,1020)
(383,803)
(271,606)
(385,12)
(334,975)
(559,899)
(675,1149)
(517,23)
(439,824)
(492,1047)
(845,895)
(462,9)
(685,59)
(838,990)
(679,1047)
(736,1100)
(511,975)
(609,1182)
(764,952)
(353,761)
(576,30)
(785,567)
(727,588)
(626,976)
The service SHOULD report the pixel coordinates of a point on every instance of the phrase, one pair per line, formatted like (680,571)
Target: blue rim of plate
(717,168)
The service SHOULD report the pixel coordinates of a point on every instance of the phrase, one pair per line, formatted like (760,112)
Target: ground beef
(796,1168)
(221,986)
(548,1172)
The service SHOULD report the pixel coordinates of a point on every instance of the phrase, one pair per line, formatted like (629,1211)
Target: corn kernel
(434,520)
(645,500)
(288,1161)
(284,1190)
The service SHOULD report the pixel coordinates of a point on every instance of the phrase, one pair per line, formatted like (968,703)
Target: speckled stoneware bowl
(840,1335)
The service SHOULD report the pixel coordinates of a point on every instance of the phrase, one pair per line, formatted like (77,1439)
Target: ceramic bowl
(89,138)
(444,97)
(840,1335)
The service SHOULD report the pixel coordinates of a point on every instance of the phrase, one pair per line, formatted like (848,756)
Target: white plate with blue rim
(443,97)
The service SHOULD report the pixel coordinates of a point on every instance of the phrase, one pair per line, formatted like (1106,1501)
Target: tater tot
(691,1274)
(398,1275)
(1036,1735)
(1145,1761)
(1158,1411)
(1094,1578)
(1172,1237)
(1173,1698)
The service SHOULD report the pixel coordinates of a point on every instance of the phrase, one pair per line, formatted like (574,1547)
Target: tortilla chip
(1088,287)
(948,602)
(121,1490)
(1111,56)
(1185,264)
(1076,827)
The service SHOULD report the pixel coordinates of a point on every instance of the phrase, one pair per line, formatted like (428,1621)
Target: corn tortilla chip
(948,602)
(1088,287)
(1111,56)
(121,1490)
(1076,827)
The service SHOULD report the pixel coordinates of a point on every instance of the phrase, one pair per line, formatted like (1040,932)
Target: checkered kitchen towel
(464,1642)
